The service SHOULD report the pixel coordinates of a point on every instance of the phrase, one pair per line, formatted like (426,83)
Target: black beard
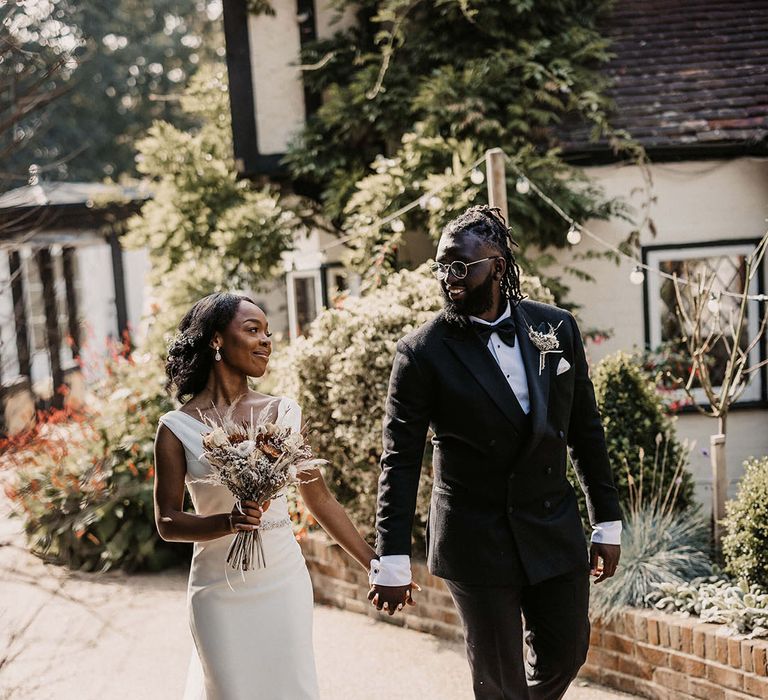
(474,303)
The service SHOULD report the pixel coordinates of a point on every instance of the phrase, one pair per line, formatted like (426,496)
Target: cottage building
(67,289)
(690,84)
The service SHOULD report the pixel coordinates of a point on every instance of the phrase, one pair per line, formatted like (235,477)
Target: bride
(253,633)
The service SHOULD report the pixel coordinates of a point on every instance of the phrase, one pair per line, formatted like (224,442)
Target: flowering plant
(255,460)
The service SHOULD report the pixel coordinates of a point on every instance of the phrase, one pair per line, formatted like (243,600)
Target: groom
(502,382)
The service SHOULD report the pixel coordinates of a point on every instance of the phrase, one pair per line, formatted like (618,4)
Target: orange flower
(93,538)
(133,469)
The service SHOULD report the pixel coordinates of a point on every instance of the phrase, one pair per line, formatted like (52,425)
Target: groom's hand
(609,554)
(392,598)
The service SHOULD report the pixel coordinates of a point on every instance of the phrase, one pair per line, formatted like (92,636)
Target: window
(726,264)
(304,300)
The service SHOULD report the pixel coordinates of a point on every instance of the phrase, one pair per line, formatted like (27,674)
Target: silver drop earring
(217,356)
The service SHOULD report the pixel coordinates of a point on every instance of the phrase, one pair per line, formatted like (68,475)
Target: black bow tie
(505,329)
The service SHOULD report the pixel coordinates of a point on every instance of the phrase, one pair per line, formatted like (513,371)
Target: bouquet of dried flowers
(255,461)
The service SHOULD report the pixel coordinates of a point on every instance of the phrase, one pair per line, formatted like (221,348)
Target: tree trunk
(719,487)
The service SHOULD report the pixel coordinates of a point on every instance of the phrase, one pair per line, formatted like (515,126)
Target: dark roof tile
(685,72)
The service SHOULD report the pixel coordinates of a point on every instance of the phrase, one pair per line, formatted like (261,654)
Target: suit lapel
(538,384)
(484,369)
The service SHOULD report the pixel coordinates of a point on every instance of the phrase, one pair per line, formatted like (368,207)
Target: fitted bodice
(207,498)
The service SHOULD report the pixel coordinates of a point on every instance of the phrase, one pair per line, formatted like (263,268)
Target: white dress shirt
(395,569)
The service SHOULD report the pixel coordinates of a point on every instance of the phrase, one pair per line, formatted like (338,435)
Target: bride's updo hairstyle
(190,355)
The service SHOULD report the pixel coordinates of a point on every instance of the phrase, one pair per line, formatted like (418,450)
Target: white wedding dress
(253,642)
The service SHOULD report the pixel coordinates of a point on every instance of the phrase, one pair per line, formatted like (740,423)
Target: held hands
(392,598)
(246,515)
(603,560)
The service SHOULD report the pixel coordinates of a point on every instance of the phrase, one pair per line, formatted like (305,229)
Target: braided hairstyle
(488,224)
(190,356)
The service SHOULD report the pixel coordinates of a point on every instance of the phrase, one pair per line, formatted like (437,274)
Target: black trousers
(556,631)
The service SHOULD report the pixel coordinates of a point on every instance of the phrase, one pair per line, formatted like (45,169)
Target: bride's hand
(246,515)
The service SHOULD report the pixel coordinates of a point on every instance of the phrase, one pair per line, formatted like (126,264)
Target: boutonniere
(545,340)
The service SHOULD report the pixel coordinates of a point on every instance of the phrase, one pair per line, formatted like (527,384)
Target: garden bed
(652,654)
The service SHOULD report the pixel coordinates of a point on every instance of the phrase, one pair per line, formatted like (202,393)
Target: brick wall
(339,581)
(669,657)
(657,656)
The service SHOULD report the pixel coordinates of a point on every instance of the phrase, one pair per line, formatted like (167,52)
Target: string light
(434,203)
(574,235)
(523,186)
(638,272)
(637,276)
(713,304)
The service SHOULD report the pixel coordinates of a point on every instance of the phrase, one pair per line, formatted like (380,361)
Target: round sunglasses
(458,268)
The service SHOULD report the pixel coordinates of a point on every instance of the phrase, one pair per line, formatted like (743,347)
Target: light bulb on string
(522,185)
(637,275)
(713,304)
(423,201)
(574,235)
(397,225)
(476,177)
(434,203)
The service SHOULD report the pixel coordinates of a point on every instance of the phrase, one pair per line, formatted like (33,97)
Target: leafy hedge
(745,545)
(339,374)
(640,435)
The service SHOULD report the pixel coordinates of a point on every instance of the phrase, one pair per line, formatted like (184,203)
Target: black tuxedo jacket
(502,510)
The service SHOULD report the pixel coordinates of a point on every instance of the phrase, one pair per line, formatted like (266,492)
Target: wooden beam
(52,335)
(73,321)
(118,274)
(20,314)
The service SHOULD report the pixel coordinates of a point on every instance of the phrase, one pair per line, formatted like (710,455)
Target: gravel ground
(74,636)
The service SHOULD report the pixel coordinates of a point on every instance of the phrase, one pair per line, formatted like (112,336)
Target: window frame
(755,395)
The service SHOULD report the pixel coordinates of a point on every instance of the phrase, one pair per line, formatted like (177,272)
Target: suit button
(561,434)
(510,510)
(547,505)
(491,443)
(548,470)
(512,475)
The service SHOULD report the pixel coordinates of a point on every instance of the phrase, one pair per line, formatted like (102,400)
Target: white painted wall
(695,202)
(277,87)
(276,76)
(136,269)
(8,354)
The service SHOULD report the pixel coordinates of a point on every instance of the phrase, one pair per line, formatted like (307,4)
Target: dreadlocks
(488,223)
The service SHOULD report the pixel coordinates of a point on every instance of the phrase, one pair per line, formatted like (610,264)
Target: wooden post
(20,314)
(719,487)
(52,334)
(495,171)
(118,275)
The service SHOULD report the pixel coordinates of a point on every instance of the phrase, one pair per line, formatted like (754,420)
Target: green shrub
(661,544)
(339,374)
(636,426)
(745,545)
(84,487)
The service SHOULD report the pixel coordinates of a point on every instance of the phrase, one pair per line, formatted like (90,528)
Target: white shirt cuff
(607,533)
(391,570)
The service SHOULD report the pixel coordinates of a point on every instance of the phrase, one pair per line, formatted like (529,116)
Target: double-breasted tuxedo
(502,510)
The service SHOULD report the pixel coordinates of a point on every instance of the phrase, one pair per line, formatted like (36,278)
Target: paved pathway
(74,636)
